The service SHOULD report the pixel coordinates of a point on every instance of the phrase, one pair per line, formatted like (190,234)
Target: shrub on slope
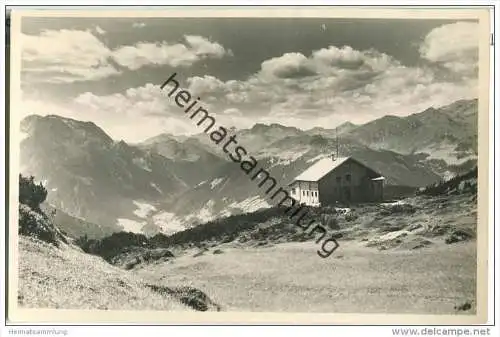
(32,220)
(465,183)
(30,193)
(124,249)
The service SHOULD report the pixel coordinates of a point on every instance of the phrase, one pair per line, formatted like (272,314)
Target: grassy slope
(51,277)
(292,278)
(388,276)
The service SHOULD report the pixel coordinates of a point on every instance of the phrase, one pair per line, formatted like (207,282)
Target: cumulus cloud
(134,102)
(138,25)
(207,84)
(195,49)
(326,61)
(233,112)
(99,30)
(328,71)
(326,87)
(43,107)
(454,46)
(318,101)
(289,65)
(332,84)
(335,58)
(202,46)
(147,108)
(342,57)
(67,55)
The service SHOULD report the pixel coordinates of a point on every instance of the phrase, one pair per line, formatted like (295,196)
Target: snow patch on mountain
(250,204)
(206,213)
(131,225)
(448,175)
(280,154)
(216,182)
(168,222)
(153,185)
(225,213)
(286,157)
(144,209)
(141,162)
(446,152)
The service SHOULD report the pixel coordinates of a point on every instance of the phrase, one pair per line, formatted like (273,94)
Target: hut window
(348,177)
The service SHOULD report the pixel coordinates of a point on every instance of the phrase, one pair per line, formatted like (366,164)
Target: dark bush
(458,235)
(37,225)
(82,241)
(189,296)
(113,245)
(464,306)
(329,221)
(32,220)
(398,209)
(30,193)
(453,185)
(223,229)
(351,217)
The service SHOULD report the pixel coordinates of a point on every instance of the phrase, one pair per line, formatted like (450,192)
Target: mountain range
(168,182)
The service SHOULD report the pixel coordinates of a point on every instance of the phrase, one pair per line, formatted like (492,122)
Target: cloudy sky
(297,72)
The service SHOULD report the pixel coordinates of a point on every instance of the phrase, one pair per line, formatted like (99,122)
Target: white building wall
(305,192)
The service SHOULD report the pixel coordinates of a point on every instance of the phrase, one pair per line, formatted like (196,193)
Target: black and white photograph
(281,164)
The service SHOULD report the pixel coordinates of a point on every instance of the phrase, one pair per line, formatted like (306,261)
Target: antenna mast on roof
(335,154)
(337,140)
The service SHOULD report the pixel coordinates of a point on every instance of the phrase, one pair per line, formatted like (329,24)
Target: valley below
(166,184)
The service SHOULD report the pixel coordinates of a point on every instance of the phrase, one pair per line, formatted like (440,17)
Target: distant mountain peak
(162,137)
(390,118)
(265,127)
(346,124)
(56,123)
(460,108)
